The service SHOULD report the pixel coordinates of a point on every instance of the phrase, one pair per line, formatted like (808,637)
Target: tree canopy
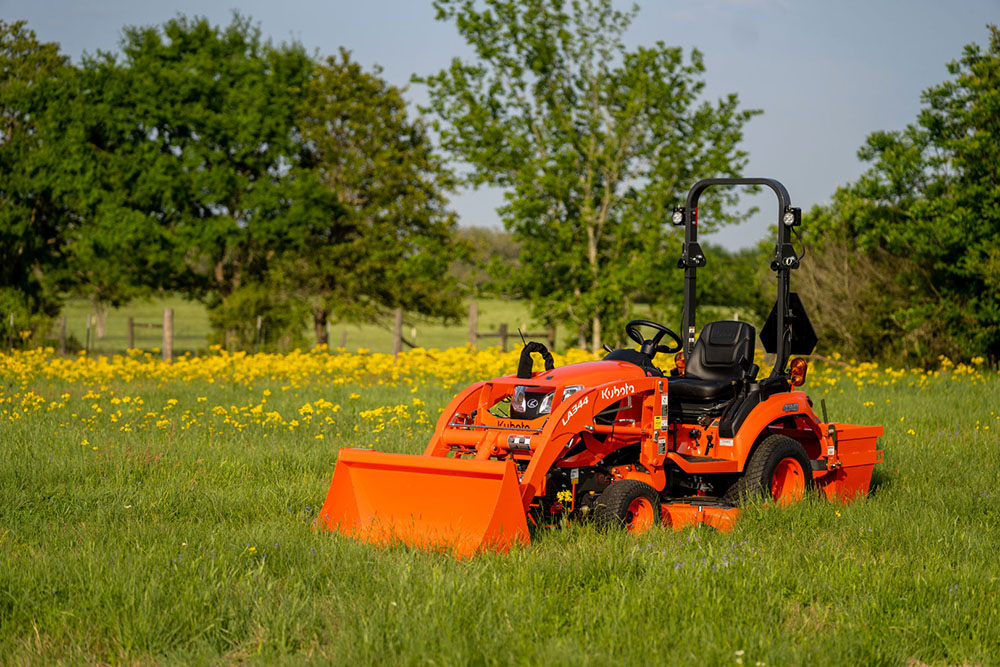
(207,161)
(32,210)
(370,228)
(592,143)
(917,233)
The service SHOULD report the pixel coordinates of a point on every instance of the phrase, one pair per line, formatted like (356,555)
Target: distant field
(162,513)
(191,327)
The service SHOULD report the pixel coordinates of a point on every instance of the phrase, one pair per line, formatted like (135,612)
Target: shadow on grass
(880,480)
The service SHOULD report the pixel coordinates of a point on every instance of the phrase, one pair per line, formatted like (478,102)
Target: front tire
(778,470)
(628,504)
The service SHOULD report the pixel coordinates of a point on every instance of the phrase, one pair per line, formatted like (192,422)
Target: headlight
(533,402)
(518,402)
(570,390)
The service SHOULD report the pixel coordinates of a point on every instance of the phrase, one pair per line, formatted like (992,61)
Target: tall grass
(163,544)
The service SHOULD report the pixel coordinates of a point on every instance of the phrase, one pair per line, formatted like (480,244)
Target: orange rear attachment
(431,502)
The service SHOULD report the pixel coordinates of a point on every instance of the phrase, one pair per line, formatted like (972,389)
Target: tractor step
(692,458)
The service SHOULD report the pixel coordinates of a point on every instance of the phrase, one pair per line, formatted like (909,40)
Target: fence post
(503,337)
(168,334)
(86,345)
(131,333)
(397,333)
(550,335)
(343,339)
(473,324)
(256,345)
(62,335)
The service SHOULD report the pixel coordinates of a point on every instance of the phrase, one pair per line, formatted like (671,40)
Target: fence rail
(502,332)
(168,337)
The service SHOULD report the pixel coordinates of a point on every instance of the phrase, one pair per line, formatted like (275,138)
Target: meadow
(192,329)
(155,512)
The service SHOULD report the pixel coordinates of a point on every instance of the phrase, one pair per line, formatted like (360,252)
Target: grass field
(191,327)
(155,512)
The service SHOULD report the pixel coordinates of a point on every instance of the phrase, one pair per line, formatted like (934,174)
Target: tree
(199,142)
(32,212)
(494,256)
(368,224)
(928,211)
(114,245)
(592,143)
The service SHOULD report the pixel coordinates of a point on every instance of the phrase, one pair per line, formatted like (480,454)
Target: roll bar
(785,259)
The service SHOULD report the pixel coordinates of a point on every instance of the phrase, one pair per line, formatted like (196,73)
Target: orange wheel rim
(640,515)
(788,483)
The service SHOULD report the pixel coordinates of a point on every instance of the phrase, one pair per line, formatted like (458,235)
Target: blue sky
(826,73)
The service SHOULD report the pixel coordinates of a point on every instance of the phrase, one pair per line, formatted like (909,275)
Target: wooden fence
(166,326)
(502,334)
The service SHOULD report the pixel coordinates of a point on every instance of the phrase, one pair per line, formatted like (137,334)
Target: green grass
(163,545)
(191,327)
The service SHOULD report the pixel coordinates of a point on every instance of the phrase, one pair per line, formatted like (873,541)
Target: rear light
(679,362)
(798,372)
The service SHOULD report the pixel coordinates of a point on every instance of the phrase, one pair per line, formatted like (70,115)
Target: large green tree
(369,227)
(927,213)
(592,143)
(116,246)
(205,119)
(32,210)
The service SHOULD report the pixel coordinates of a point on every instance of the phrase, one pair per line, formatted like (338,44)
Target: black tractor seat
(721,364)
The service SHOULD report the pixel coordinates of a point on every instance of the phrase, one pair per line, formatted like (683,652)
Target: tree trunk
(319,325)
(100,317)
(597,333)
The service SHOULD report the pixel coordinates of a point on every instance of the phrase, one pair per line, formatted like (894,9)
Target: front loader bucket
(431,502)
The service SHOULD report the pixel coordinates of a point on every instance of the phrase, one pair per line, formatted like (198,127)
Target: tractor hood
(534,397)
(587,373)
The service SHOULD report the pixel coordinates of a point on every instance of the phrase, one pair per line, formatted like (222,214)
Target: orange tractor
(616,440)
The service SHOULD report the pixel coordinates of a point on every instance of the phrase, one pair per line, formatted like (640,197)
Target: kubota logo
(621,391)
(573,410)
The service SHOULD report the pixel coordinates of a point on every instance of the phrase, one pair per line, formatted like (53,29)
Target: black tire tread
(611,508)
(756,479)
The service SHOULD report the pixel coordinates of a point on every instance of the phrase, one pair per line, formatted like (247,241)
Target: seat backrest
(723,352)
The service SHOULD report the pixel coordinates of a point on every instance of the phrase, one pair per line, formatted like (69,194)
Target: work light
(792,216)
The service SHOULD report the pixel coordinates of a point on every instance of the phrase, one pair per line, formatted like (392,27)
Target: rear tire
(778,470)
(628,504)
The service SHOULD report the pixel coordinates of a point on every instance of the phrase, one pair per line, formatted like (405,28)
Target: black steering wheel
(651,346)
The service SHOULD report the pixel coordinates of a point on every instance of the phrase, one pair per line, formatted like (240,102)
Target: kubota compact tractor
(616,440)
